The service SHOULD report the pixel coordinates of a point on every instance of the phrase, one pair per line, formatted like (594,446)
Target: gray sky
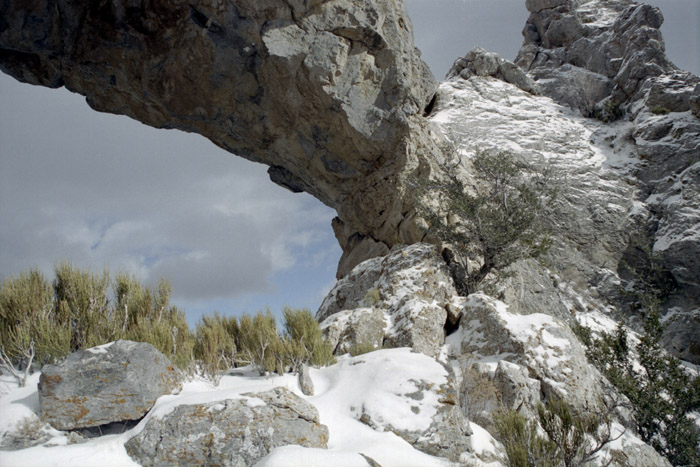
(105,191)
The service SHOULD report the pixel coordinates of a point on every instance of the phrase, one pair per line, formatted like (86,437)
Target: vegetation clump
(42,322)
(661,391)
(572,438)
(499,221)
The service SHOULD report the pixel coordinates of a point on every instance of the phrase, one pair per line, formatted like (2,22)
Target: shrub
(304,339)
(661,391)
(215,343)
(42,322)
(660,110)
(259,342)
(82,304)
(524,446)
(361,348)
(573,439)
(500,223)
(372,297)
(572,432)
(479,394)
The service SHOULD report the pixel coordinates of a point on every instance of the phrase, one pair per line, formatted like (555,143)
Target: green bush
(361,348)
(524,446)
(303,337)
(660,110)
(44,322)
(215,343)
(499,222)
(573,439)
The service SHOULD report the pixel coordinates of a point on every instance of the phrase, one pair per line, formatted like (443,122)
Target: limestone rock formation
(110,383)
(232,432)
(328,93)
(614,55)
(402,297)
(479,62)
(542,345)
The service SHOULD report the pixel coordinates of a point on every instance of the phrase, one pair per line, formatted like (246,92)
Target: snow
(395,387)
(100,349)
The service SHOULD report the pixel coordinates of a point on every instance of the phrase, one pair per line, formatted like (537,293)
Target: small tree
(215,343)
(661,391)
(578,437)
(499,221)
(259,341)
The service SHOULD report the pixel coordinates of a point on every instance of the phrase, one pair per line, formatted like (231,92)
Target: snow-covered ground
(378,383)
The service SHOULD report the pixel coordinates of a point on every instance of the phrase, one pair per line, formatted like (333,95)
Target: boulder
(114,382)
(352,328)
(305,382)
(695,101)
(479,62)
(536,6)
(231,432)
(672,92)
(541,344)
(399,300)
(416,400)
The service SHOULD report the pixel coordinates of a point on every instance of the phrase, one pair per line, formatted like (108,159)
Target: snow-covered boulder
(403,392)
(233,432)
(409,290)
(541,344)
(111,383)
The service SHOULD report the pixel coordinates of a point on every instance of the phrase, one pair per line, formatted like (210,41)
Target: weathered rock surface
(305,382)
(110,383)
(543,345)
(409,290)
(232,432)
(327,93)
(607,59)
(479,62)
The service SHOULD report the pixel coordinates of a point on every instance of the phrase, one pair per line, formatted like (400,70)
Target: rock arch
(330,94)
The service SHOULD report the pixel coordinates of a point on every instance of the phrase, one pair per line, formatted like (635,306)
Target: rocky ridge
(621,128)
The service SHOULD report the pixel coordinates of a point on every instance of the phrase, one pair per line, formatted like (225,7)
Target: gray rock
(479,62)
(543,345)
(358,327)
(232,432)
(412,287)
(516,390)
(305,382)
(535,6)
(575,87)
(672,91)
(448,432)
(110,383)
(695,101)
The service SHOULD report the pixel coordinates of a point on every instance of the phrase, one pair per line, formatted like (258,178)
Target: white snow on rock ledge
(542,344)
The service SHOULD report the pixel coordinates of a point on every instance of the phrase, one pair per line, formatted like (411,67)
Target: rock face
(543,346)
(326,93)
(232,432)
(613,55)
(111,383)
(399,300)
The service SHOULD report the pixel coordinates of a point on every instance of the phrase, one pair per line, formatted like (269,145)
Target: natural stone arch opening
(103,190)
(328,94)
